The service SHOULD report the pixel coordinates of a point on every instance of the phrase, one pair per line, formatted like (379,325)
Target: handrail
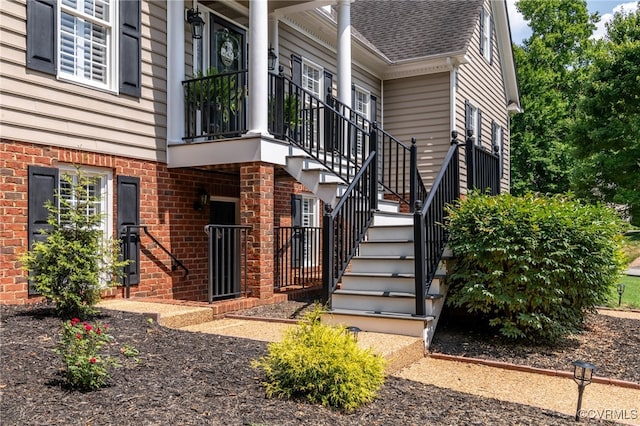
(430,237)
(297,257)
(483,167)
(227,244)
(127,253)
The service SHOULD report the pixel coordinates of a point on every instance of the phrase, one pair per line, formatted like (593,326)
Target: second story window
(311,78)
(485,35)
(86,40)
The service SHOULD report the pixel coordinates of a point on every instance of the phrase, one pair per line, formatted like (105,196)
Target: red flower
(74,321)
(78,336)
(87,327)
(98,331)
(92,360)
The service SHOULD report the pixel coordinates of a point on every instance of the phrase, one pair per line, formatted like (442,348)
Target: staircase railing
(430,237)
(397,163)
(483,168)
(297,259)
(345,226)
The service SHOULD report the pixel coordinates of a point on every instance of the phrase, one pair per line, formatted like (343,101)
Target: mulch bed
(185,378)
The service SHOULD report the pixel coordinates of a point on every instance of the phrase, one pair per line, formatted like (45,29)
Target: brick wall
(166,207)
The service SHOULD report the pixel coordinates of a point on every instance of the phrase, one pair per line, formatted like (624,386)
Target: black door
(228,46)
(225,273)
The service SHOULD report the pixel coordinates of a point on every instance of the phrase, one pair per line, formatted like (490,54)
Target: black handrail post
(470,147)
(419,255)
(413,174)
(456,165)
(327,254)
(373,149)
(127,256)
(279,115)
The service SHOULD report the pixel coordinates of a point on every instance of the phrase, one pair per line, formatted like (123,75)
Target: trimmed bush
(322,364)
(532,265)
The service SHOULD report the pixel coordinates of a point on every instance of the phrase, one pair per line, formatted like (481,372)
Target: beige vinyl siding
(483,84)
(418,107)
(39,108)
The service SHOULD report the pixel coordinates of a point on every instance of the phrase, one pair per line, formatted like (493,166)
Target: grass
(631,246)
(631,295)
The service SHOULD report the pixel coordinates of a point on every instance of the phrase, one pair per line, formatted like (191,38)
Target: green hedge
(532,265)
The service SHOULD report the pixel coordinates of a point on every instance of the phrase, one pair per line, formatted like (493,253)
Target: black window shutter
(482,31)
(501,152)
(479,137)
(130,56)
(467,117)
(41,35)
(328,83)
(296,69)
(374,109)
(297,239)
(43,183)
(129,214)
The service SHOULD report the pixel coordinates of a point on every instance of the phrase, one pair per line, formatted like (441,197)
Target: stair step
(396,219)
(379,293)
(389,264)
(396,248)
(381,322)
(379,301)
(390,232)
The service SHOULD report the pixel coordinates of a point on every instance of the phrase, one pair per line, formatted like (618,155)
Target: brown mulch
(186,378)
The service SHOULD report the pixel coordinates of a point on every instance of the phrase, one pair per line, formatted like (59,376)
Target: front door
(225,274)
(227,46)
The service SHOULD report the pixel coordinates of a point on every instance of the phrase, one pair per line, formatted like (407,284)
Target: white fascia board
(505,47)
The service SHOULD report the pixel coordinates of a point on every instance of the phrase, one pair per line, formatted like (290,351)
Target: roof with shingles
(410,29)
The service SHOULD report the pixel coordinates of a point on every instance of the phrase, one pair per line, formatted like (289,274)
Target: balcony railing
(483,168)
(215,106)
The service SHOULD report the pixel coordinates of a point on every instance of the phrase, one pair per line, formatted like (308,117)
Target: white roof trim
(505,46)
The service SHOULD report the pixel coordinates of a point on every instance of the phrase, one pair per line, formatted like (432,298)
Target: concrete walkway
(406,360)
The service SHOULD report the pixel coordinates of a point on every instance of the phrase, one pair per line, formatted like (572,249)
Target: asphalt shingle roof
(407,29)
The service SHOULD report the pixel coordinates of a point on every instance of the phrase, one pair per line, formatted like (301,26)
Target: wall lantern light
(197,23)
(202,201)
(582,375)
(272,59)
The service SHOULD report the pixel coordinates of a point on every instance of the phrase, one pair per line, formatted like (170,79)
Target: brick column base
(256,210)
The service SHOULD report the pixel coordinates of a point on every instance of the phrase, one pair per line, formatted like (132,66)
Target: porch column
(344,51)
(258,69)
(256,210)
(175,71)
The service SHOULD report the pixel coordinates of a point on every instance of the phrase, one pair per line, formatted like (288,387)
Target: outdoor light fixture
(272,59)
(197,24)
(202,201)
(582,375)
(353,331)
(620,291)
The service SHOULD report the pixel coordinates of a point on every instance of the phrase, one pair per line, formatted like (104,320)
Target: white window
(485,35)
(98,187)
(497,144)
(86,37)
(311,78)
(474,122)
(310,218)
(361,105)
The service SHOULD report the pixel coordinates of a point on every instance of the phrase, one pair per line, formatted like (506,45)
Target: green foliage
(79,346)
(213,90)
(75,262)
(533,265)
(606,133)
(630,297)
(322,364)
(550,67)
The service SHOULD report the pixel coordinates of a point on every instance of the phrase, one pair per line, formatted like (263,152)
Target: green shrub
(533,265)
(75,262)
(322,364)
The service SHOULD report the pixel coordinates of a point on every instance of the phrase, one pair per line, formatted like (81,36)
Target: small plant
(322,364)
(130,352)
(80,345)
(75,262)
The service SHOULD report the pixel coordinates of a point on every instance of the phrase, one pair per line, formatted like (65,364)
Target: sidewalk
(621,404)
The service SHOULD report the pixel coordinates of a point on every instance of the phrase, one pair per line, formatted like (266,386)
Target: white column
(258,68)
(344,51)
(175,71)
(273,39)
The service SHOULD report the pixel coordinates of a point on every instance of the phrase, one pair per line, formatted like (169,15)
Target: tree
(75,262)
(550,67)
(606,133)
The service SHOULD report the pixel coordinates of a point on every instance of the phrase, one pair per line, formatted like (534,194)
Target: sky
(606,8)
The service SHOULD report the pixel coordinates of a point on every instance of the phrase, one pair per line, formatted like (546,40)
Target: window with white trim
(497,144)
(99,187)
(485,35)
(311,78)
(310,218)
(361,104)
(474,122)
(86,40)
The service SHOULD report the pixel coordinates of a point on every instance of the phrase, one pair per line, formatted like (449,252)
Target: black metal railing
(344,227)
(483,168)
(227,260)
(131,236)
(214,106)
(298,116)
(430,237)
(297,258)
(397,163)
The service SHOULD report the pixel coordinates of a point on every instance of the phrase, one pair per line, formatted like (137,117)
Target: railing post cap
(454,134)
(413,141)
(374,124)
(327,208)
(418,205)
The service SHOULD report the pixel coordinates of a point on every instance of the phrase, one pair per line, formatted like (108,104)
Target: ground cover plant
(533,265)
(322,364)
